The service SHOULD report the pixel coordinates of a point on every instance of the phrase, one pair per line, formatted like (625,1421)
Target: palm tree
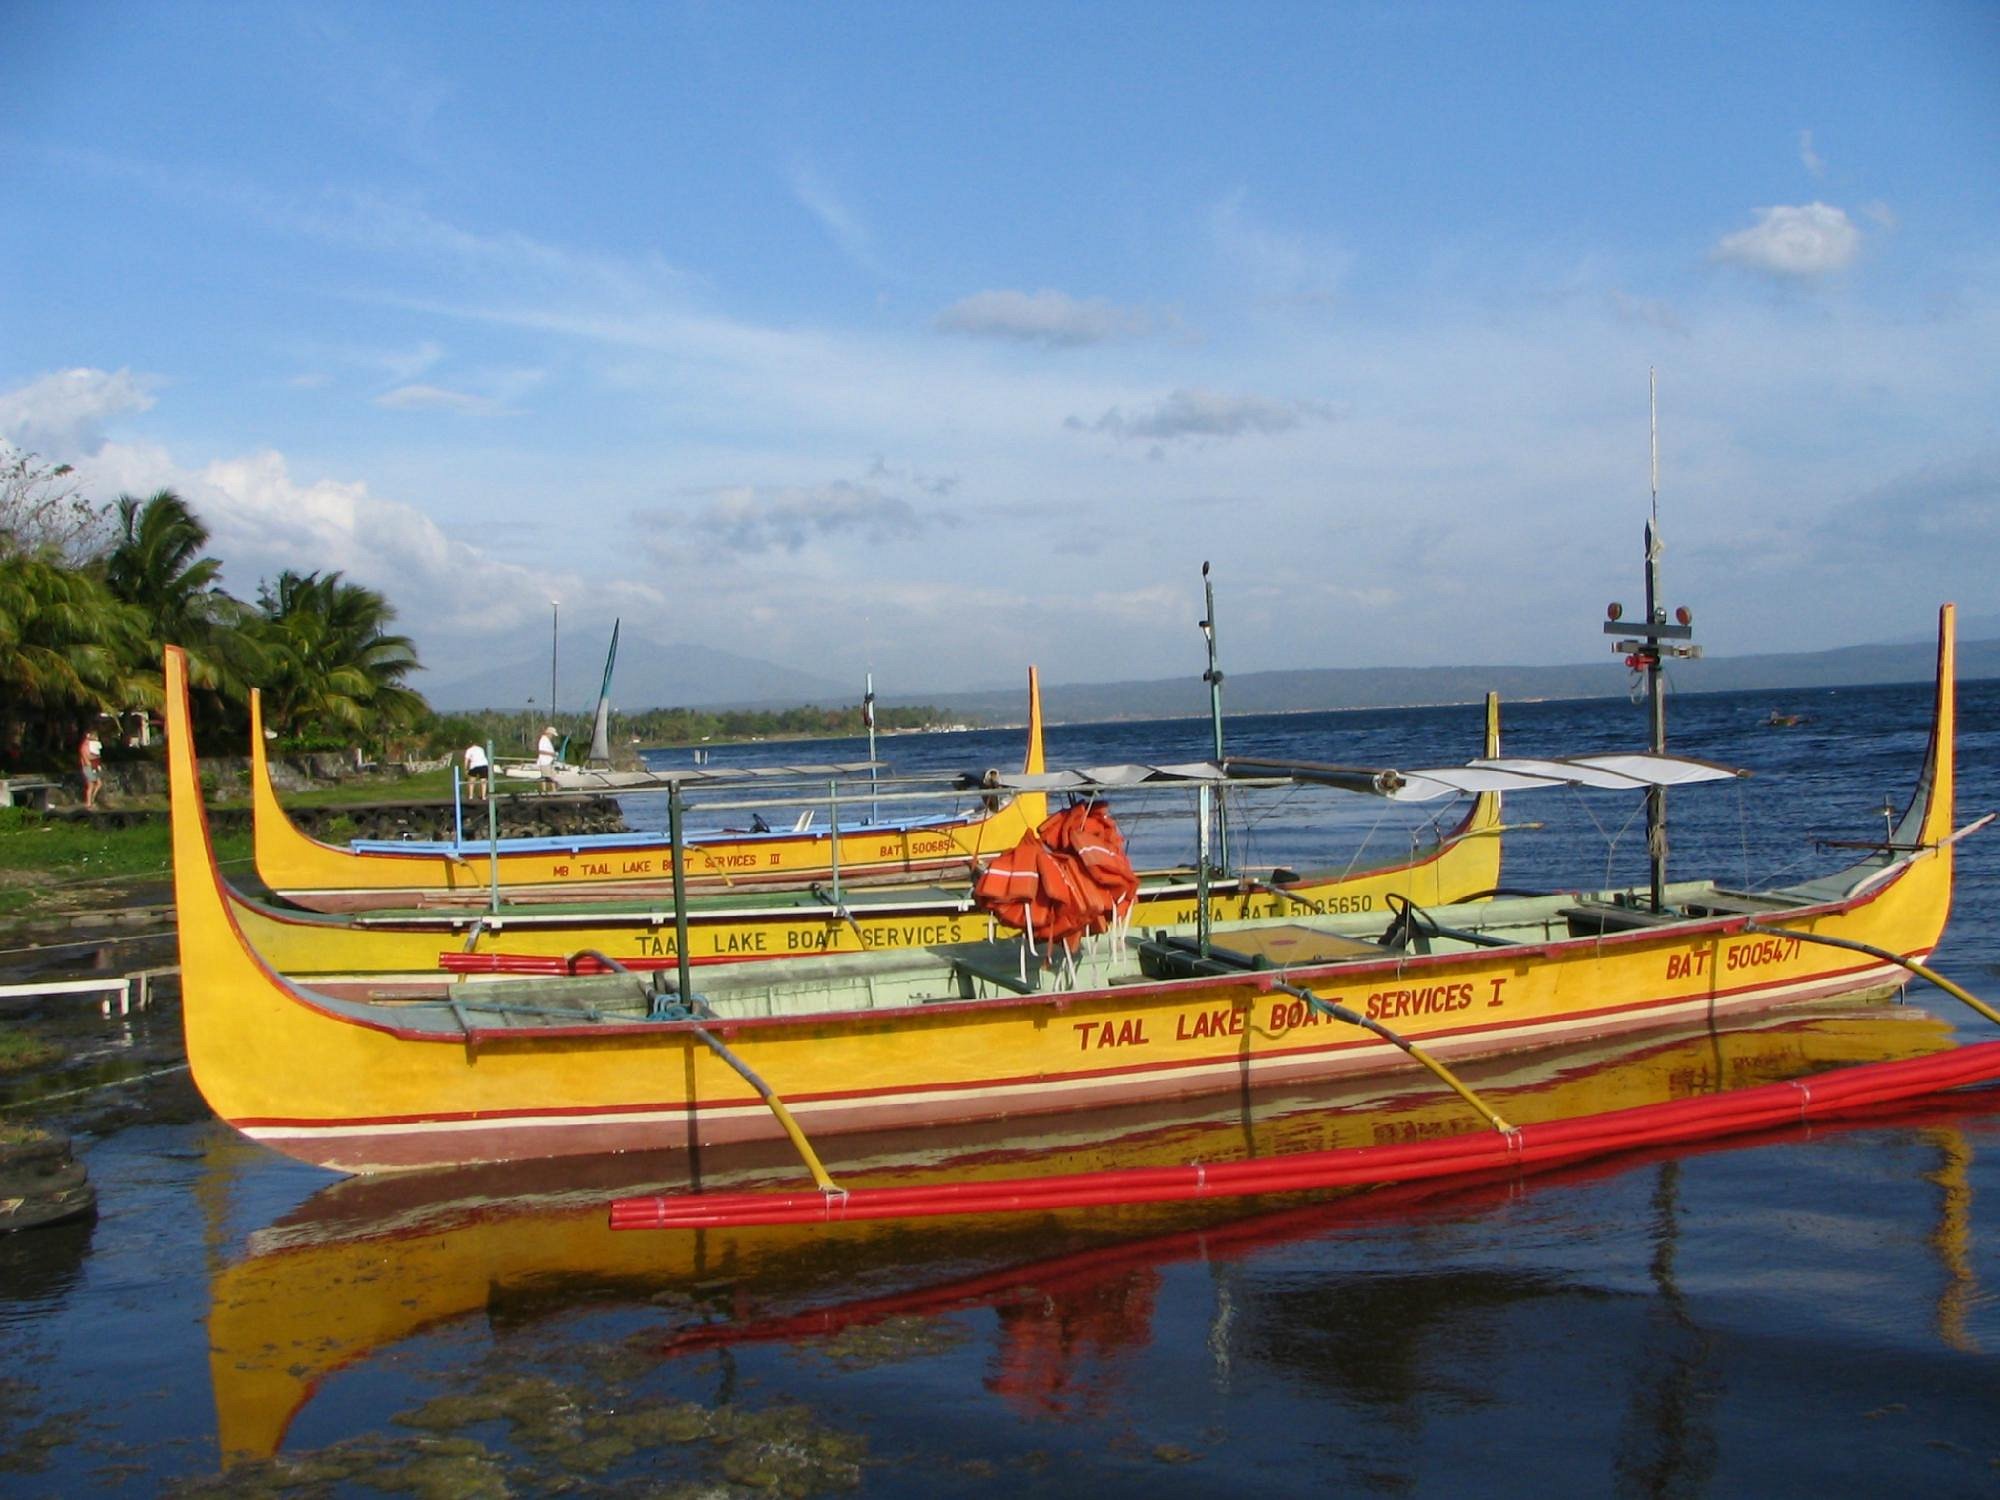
(67,649)
(156,564)
(333,666)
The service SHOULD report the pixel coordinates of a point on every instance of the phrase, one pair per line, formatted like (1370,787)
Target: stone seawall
(521,816)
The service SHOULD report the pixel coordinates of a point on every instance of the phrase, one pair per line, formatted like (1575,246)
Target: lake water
(1814,1311)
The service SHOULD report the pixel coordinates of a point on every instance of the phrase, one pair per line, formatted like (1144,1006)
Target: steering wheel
(1411,928)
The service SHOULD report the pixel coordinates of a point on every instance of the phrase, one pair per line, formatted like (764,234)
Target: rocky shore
(41,1181)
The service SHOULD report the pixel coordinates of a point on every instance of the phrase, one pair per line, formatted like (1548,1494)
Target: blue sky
(939,338)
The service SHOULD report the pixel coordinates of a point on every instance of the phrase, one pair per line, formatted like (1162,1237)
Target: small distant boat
(1780,720)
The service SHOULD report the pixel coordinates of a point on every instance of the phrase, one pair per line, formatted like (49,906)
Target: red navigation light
(1684,615)
(1614,611)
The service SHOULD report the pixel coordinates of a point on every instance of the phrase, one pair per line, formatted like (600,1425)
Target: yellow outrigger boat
(507,1070)
(325,877)
(407,950)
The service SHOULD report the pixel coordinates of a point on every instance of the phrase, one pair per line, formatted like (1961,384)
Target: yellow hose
(1444,1074)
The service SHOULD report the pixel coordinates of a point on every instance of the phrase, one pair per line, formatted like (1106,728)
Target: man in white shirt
(477,771)
(545,758)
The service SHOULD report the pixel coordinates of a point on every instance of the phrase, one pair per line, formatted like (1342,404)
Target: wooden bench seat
(996,962)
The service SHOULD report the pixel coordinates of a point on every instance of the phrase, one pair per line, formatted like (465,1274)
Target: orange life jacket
(1068,878)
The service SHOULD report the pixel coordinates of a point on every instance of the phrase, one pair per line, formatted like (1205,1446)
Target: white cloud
(1808,157)
(846,227)
(449,595)
(436,398)
(1881,213)
(62,416)
(1051,318)
(1802,241)
(1197,413)
(1275,265)
(408,364)
(749,519)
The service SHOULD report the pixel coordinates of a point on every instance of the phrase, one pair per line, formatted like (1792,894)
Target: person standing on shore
(477,771)
(545,758)
(90,761)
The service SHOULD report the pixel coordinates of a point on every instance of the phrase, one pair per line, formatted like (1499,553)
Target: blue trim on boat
(560,842)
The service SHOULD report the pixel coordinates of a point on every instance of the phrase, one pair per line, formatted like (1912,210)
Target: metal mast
(1645,651)
(1213,677)
(874,771)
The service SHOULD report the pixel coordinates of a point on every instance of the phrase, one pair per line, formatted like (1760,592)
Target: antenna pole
(1648,652)
(1213,677)
(874,771)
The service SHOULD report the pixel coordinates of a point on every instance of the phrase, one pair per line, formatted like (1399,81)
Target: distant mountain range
(650,675)
(1411,687)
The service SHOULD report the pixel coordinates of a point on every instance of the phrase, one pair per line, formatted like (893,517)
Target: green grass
(49,867)
(19,1053)
(425,786)
(79,853)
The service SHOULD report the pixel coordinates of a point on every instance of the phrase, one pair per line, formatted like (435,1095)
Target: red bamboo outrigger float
(1465,1158)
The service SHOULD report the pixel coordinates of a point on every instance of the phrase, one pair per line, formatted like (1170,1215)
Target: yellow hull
(323,877)
(370,1087)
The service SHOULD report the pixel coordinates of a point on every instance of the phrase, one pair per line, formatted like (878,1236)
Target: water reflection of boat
(367,1263)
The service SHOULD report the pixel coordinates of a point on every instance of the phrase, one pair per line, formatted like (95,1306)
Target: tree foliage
(82,637)
(331,663)
(688,726)
(70,651)
(156,564)
(43,511)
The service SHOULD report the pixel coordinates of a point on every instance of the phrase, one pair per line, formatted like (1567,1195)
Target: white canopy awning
(1620,769)
(1109,778)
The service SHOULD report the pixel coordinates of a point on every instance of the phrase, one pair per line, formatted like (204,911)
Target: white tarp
(1622,771)
(1618,771)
